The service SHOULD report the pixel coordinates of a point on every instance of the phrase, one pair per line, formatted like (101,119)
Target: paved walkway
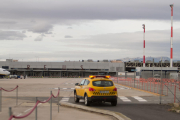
(65,113)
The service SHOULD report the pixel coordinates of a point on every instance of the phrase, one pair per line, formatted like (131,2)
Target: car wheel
(114,103)
(86,101)
(76,99)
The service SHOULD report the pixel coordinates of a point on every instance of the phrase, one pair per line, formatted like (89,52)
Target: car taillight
(115,89)
(91,89)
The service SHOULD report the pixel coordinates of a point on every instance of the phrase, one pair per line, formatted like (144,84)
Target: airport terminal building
(85,68)
(63,69)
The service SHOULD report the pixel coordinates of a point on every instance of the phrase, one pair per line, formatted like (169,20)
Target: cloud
(8,22)
(42,27)
(69,28)
(11,35)
(68,36)
(89,9)
(39,38)
(129,44)
(23,31)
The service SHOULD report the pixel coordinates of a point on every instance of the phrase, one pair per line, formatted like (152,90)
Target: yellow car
(96,88)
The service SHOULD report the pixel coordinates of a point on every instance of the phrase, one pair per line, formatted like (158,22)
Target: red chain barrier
(57,94)
(19,117)
(9,90)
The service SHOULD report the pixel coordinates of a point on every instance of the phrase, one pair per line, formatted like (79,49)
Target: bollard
(10,111)
(36,109)
(0,99)
(17,96)
(51,107)
(58,99)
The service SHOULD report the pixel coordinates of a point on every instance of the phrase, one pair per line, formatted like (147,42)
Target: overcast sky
(52,30)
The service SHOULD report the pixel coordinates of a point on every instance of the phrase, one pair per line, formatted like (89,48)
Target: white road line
(72,88)
(39,104)
(27,110)
(125,99)
(139,99)
(64,88)
(65,99)
(19,114)
(81,100)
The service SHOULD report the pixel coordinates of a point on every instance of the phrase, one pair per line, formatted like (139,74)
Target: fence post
(17,96)
(51,107)
(175,93)
(134,77)
(167,91)
(150,86)
(36,110)
(0,99)
(58,99)
(10,111)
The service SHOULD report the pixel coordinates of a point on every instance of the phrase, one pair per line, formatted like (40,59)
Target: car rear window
(102,83)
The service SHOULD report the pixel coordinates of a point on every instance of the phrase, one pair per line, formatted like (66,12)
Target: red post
(174,93)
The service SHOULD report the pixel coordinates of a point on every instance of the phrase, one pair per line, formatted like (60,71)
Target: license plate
(104,91)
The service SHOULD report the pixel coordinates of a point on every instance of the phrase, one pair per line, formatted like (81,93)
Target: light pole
(171,49)
(144,45)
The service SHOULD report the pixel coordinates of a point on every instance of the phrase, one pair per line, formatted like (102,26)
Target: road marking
(72,88)
(19,114)
(139,99)
(65,99)
(64,88)
(27,110)
(81,100)
(125,99)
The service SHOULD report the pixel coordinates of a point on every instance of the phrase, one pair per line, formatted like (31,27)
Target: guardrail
(2,89)
(152,85)
(35,107)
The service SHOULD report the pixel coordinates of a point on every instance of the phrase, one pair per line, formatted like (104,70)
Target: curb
(141,90)
(117,115)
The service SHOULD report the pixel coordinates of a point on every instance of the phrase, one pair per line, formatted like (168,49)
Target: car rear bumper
(103,98)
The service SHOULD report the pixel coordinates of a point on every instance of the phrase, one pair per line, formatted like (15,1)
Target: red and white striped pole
(171,50)
(144,46)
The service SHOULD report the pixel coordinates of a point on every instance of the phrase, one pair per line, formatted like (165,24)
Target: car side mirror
(77,84)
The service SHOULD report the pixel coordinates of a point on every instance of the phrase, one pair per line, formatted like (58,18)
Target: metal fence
(165,87)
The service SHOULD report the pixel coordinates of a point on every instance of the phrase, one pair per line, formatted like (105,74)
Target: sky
(59,30)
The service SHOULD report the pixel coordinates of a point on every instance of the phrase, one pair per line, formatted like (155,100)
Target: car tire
(76,99)
(114,103)
(86,101)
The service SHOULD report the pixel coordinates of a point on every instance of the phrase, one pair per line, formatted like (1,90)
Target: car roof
(95,79)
